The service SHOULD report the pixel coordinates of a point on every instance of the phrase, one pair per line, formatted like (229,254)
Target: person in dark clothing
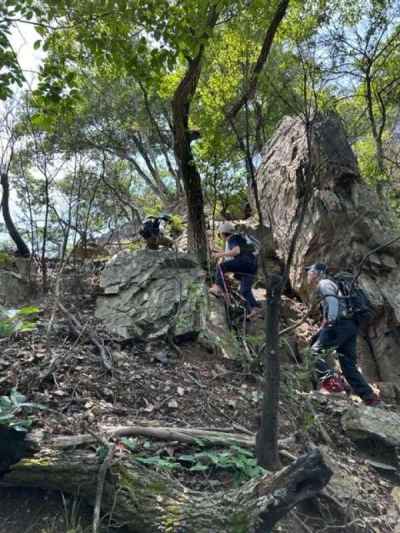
(153,232)
(340,332)
(240,260)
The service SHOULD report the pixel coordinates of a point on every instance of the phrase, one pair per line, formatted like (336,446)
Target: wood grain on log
(147,501)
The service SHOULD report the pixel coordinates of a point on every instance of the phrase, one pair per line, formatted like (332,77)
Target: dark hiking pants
(342,336)
(245,271)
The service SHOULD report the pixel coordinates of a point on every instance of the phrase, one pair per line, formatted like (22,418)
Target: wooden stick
(77,327)
(100,487)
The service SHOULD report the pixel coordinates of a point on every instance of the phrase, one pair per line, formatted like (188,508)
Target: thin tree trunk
(22,248)
(183,152)
(45,230)
(165,145)
(377,135)
(267,436)
(261,60)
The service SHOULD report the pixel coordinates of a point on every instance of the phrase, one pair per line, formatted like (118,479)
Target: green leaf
(6,328)
(131,444)
(19,427)
(27,326)
(16,397)
(188,458)
(36,44)
(5,402)
(5,418)
(156,460)
(25,424)
(101,452)
(28,310)
(199,468)
(33,405)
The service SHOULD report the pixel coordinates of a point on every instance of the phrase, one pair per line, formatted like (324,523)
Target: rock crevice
(344,221)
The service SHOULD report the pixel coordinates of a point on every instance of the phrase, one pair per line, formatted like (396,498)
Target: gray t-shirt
(332,304)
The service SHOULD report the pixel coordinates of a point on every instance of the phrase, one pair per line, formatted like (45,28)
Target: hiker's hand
(216,255)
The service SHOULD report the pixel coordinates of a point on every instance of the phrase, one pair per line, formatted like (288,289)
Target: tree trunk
(146,501)
(181,103)
(22,248)
(184,156)
(267,437)
(376,132)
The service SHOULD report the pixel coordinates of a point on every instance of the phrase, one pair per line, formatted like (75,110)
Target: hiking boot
(331,384)
(345,385)
(373,401)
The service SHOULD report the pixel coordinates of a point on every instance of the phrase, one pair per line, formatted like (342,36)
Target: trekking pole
(226,292)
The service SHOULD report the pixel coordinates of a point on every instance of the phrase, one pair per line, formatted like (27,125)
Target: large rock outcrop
(344,221)
(15,289)
(153,294)
(372,424)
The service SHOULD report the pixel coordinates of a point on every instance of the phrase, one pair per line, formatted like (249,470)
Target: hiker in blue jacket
(337,331)
(239,258)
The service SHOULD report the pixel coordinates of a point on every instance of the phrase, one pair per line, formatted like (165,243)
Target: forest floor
(186,387)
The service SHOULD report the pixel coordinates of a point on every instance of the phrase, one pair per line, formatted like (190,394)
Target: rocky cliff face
(344,221)
(152,294)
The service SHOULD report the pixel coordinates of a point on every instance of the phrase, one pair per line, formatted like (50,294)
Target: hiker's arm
(230,253)
(328,293)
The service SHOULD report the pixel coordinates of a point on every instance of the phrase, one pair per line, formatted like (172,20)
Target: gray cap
(227,228)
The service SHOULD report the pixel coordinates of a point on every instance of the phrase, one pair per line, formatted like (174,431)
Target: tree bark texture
(146,501)
(22,248)
(267,437)
(183,137)
(184,156)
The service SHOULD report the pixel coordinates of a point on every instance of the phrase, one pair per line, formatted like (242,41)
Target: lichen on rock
(152,294)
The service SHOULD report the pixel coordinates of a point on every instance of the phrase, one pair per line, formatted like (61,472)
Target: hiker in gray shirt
(337,331)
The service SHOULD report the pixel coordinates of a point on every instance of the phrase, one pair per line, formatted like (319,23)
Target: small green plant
(239,461)
(11,409)
(17,320)
(167,463)
(242,462)
(72,519)
(133,246)
(176,225)
(6,259)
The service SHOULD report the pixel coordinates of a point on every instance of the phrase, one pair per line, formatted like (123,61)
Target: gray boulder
(344,221)
(153,294)
(373,424)
(14,289)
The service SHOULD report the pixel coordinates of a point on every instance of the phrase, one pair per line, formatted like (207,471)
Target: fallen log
(187,435)
(146,501)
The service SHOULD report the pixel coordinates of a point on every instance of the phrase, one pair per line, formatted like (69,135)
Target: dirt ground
(164,385)
(33,511)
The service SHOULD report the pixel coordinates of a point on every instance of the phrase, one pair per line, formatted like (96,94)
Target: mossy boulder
(150,294)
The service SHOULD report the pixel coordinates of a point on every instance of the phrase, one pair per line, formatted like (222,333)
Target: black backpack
(248,244)
(151,228)
(357,303)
